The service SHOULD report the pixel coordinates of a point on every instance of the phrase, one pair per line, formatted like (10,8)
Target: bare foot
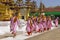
(56,26)
(29,33)
(14,35)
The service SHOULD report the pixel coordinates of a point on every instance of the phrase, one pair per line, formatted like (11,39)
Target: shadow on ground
(9,35)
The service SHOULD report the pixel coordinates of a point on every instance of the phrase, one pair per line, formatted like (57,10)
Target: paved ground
(6,35)
(49,35)
(52,35)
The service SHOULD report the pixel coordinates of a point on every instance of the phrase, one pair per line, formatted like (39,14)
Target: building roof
(50,9)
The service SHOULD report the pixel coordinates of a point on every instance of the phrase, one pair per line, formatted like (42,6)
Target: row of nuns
(39,24)
(34,24)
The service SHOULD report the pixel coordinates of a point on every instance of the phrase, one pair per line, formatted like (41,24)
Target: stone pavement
(50,35)
(47,35)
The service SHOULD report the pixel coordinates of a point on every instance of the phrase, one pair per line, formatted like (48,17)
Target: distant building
(50,9)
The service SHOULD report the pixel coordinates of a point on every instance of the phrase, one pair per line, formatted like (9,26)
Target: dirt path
(52,35)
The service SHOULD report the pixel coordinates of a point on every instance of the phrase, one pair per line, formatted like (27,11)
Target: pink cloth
(33,29)
(36,26)
(56,22)
(13,25)
(49,24)
(40,25)
(44,24)
(28,28)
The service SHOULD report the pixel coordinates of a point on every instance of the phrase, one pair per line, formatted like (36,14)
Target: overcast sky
(48,3)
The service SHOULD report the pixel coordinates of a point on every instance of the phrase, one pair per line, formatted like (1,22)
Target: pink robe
(36,27)
(13,25)
(56,22)
(49,24)
(44,25)
(40,25)
(28,28)
(33,29)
